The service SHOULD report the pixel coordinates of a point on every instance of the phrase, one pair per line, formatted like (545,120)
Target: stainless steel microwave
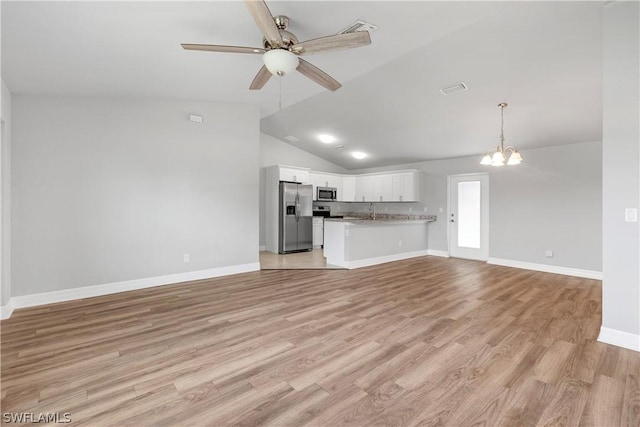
(326,194)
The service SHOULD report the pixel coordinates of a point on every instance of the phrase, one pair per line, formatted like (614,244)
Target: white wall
(621,174)
(5,198)
(553,200)
(108,190)
(276,152)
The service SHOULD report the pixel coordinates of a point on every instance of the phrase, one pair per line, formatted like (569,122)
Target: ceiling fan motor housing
(288,40)
(281,21)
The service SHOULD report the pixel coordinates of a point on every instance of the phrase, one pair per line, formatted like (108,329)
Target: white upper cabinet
(348,193)
(405,186)
(369,188)
(361,188)
(293,174)
(387,193)
(373,190)
(410,187)
(395,186)
(387,187)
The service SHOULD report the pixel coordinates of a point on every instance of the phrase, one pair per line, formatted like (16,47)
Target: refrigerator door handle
(297,207)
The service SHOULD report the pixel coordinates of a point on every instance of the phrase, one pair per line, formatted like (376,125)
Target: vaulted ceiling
(543,58)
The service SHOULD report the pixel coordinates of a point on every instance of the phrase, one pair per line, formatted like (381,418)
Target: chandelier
(501,154)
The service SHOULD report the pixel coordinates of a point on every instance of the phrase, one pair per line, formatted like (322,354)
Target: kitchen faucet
(372,208)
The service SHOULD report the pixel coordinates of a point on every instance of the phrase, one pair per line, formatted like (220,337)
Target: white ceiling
(543,58)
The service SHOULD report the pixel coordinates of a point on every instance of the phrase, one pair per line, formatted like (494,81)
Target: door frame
(485,211)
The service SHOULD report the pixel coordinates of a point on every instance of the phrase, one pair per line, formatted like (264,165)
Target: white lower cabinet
(318,231)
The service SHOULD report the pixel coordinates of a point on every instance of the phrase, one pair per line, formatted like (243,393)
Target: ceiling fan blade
(220,48)
(318,76)
(264,20)
(260,79)
(331,43)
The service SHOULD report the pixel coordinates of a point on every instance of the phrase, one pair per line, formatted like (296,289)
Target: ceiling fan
(281,50)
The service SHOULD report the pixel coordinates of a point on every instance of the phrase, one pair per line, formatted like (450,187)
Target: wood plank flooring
(422,342)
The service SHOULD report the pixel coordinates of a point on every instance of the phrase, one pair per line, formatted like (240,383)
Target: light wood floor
(427,341)
(313,260)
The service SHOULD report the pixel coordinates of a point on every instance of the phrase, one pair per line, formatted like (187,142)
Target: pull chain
(280,101)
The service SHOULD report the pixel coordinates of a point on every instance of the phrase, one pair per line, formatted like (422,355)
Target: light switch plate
(631,215)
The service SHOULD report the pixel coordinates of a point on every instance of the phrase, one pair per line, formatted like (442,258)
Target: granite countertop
(385,218)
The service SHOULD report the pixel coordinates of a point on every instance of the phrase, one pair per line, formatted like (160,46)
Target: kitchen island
(360,242)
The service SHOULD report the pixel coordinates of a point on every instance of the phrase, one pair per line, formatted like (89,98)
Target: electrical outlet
(631,215)
(441,210)
(186,257)
(548,254)
(399,243)
(410,209)
(425,209)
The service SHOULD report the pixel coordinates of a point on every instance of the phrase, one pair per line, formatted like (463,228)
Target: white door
(469,216)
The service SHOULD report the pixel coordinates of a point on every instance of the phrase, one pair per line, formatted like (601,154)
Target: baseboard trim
(381,260)
(262,248)
(33,300)
(6,310)
(433,252)
(619,338)
(567,271)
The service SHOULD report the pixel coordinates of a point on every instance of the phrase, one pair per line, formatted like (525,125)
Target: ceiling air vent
(291,138)
(458,87)
(338,147)
(359,26)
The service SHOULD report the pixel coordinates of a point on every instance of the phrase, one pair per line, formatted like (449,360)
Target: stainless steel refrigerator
(296,218)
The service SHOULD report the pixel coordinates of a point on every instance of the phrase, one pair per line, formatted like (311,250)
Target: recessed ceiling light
(359,155)
(326,138)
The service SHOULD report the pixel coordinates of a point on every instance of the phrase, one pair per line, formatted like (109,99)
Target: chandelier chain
(501,124)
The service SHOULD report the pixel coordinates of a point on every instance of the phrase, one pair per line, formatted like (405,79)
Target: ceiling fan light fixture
(280,62)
